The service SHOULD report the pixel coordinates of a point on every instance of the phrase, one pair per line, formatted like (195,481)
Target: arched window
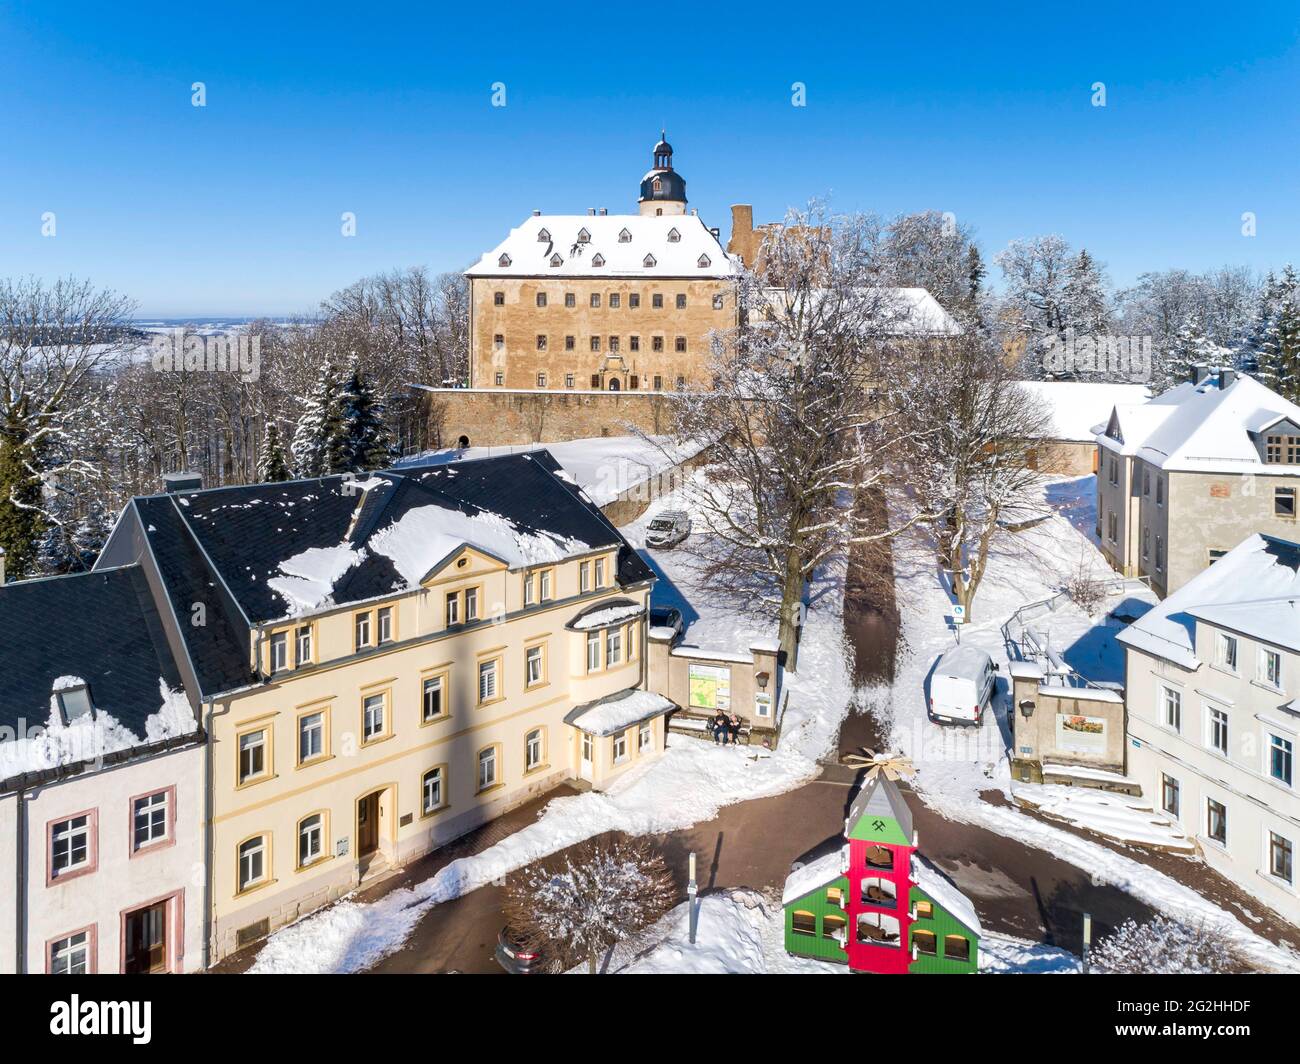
(504,260)
(648,261)
(543,236)
(614,384)
(803,922)
(674,236)
(624,237)
(657,185)
(556,260)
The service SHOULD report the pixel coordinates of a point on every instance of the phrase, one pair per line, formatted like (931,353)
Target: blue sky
(980,109)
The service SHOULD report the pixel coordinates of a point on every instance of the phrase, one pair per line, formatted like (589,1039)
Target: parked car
(516,958)
(667,617)
(667,529)
(961,686)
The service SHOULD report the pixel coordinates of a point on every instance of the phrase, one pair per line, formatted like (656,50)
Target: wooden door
(146,940)
(368,825)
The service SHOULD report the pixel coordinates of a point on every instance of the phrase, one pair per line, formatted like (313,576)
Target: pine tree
(1086,309)
(975,273)
(366,442)
(316,445)
(1190,348)
(1277,354)
(22,524)
(90,536)
(272,466)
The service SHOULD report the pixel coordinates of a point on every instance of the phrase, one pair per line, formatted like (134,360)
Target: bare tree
(973,469)
(1163,946)
(797,437)
(573,908)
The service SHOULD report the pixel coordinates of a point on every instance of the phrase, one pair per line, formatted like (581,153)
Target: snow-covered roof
(617,712)
(816,873)
(1252,590)
(603,616)
(1202,427)
(1079,407)
(617,245)
(938,887)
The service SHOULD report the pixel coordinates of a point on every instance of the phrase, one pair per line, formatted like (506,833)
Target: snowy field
(687,785)
(742,932)
(955,765)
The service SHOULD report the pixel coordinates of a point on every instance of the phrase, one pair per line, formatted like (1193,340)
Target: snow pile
(1117,816)
(616,714)
(309,577)
(807,878)
(89,737)
(610,615)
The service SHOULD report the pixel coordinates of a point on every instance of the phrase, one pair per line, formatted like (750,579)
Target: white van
(961,686)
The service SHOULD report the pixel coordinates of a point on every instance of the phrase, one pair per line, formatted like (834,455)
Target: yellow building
(385,664)
(604,302)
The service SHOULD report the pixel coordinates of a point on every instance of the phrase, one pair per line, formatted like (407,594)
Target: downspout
(20,902)
(209,856)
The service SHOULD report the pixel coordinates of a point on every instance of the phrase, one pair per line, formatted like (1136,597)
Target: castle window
(613,343)
(543,236)
(556,260)
(624,237)
(595,380)
(657,301)
(681,382)
(633,382)
(659,383)
(541,341)
(648,261)
(674,236)
(595,299)
(634,300)
(657,343)
(599,260)
(499,298)
(541,299)
(680,344)
(634,343)
(499,341)
(595,343)
(681,301)
(570,300)
(541,380)
(569,343)
(718,301)
(500,379)
(504,260)
(703,262)
(615,300)
(568,380)
(584,237)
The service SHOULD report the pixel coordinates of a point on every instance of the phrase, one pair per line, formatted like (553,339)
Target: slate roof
(100,626)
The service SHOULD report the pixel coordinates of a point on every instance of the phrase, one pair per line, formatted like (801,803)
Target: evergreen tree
(272,466)
(366,442)
(22,524)
(1086,309)
(90,536)
(1276,355)
(317,439)
(975,273)
(1190,347)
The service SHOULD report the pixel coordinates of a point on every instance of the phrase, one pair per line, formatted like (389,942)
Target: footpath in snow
(956,765)
(687,785)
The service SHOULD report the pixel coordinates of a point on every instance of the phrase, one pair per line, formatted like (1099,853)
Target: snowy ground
(956,764)
(742,931)
(1118,816)
(689,784)
(604,466)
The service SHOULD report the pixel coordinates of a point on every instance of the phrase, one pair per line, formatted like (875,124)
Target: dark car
(516,958)
(667,617)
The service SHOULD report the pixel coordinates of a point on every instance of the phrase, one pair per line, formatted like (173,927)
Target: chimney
(1199,374)
(591,212)
(174,483)
(537,214)
(604,211)
(1226,377)
(694,213)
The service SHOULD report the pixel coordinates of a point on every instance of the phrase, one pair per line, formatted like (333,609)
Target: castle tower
(663,189)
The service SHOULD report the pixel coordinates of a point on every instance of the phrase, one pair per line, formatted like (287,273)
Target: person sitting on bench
(733,728)
(719,726)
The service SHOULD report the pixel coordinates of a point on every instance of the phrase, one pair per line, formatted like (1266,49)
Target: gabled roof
(1253,589)
(1078,407)
(1202,427)
(100,627)
(299,547)
(523,254)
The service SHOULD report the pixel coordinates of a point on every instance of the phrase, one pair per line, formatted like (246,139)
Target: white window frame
(67,833)
(487,768)
(246,882)
(302,645)
(584,576)
(534,749)
(151,807)
(613,647)
(70,955)
(1205,821)
(318,832)
(431,685)
(432,781)
(307,729)
(360,625)
(1214,715)
(254,739)
(534,665)
(1227,646)
(1269,834)
(645,736)
(1267,656)
(1270,736)
(279,651)
(595,652)
(1165,692)
(374,717)
(489,682)
(618,747)
(384,625)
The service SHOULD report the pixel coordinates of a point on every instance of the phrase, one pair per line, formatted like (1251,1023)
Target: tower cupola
(663,189)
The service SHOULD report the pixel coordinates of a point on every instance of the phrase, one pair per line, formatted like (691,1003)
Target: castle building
(603,302)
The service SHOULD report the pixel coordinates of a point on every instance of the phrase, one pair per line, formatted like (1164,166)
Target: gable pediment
(463,563)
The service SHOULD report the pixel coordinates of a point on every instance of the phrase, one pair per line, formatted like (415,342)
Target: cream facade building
(385,664)
(1185,477)
(1213,692)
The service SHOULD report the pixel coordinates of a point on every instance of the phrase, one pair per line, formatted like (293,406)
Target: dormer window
(648,261)
(657,185)
(1282,450)
(598,260)
(543,236)
(703,262)
(624,237)
(504,260)
(74,702)
(584,237)
(674,236)
(556,260)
